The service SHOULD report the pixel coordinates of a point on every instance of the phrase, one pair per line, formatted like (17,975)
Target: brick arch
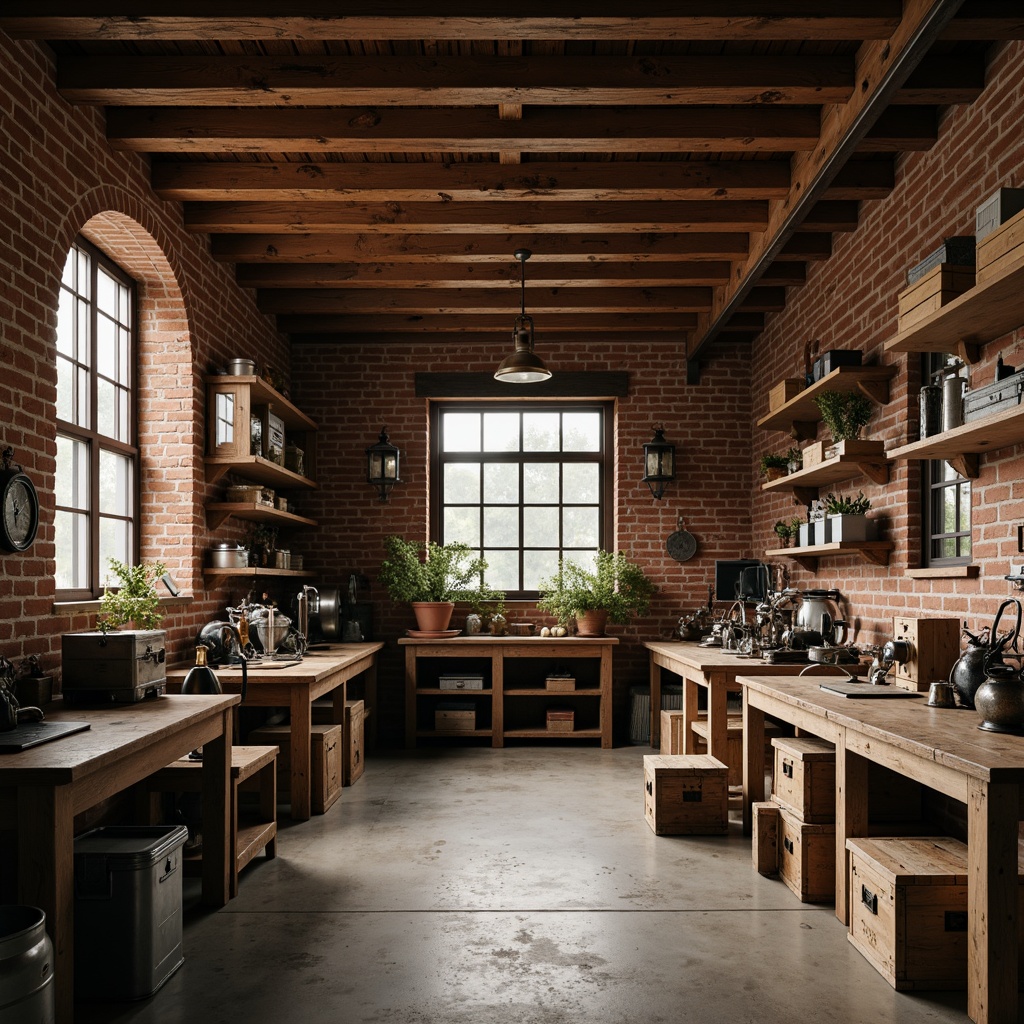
(170,437)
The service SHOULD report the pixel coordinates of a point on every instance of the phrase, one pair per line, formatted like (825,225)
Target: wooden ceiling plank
(542,181)
(492,218)
(882,67)
(550,324)
(486,248)
(464,81)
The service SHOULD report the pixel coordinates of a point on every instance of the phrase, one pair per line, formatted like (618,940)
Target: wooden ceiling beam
(882,67)
(584,274)
(550,324)
(540,181)
(477,130)
(806,245)
(464,81)
(668,247)
(464,301)
(413,20)
(486,217)
(328,334)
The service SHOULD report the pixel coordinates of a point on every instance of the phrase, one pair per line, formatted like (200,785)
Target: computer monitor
(740,579)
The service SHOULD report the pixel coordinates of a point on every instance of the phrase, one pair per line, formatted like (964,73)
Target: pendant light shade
(523,366)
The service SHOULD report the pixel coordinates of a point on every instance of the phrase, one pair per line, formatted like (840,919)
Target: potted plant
(431,577)
(794,460)
(134,601)
(773,466)
(787,531)
(486,611)
(613,590)
(847,517)
(844,413)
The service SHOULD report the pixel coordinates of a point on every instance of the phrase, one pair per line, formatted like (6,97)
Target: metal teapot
(983,651)
(819,614)
(1000,698)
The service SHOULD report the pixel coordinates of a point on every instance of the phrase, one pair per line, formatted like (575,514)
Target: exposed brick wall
(850,301)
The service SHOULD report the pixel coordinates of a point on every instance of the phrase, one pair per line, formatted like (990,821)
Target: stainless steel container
(26,967)
(952,402)
(241,367)
(228,556)
(930,400)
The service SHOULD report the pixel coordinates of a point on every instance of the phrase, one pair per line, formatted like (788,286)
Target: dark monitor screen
(740,579)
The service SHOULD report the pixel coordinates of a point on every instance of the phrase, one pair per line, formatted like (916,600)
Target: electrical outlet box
(934,648)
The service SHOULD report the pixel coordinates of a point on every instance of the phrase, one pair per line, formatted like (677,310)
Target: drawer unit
(804,780)
(686,794)
(807,858)
(325,762)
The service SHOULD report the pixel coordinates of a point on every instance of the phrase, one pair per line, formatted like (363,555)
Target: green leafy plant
(615,584)
(844,413)
(771,461)
(783,530)
(841,505)
(134,600)
(794,455)
(418,571)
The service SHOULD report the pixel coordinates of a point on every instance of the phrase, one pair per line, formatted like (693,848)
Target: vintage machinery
(922,650)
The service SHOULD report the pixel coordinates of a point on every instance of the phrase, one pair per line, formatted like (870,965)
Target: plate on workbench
(432,634)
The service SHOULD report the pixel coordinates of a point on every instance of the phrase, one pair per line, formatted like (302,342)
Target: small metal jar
(931,410)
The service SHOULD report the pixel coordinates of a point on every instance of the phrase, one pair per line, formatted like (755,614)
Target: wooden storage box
(934,646)
(1001,250)
(352,748)
(325,762)
(784,391)
(560,684)
(804,780)
(908,910)
(939,286)
(807,858)
(561,719)
(686,794)
(452,716)
(812,454)
(765,846)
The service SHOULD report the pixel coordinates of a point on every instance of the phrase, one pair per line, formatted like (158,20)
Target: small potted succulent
(787,530)
(847,517)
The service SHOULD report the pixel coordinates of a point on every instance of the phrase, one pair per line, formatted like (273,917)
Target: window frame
(605,459)
(97,442)
(934,485)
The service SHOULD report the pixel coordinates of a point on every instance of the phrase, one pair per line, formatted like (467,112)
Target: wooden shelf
(257,469)
(434,691)
(799,416)
(219,511)
(263,394)
(559,694)
(447,733)
(982,314)
(962,445)
(874,551)
(548,734)
(804,483)
(252,571)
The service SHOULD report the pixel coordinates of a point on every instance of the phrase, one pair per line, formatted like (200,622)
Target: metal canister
(952,401)
(26,966)
(930,410)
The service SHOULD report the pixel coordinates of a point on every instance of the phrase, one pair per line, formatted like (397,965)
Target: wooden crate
(561,719)
(765,846)
(934,645)
(1001,250)
(804,780)
(938,287)
(686,794)
(812,454)
(325,762)
(807,858)
(560,684)
(784,391)
(454,719)
(352,746)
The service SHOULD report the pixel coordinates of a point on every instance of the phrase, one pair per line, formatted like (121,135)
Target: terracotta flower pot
(591,623)
(433,616)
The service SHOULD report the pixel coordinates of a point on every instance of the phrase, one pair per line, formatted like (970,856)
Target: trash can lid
(131,845)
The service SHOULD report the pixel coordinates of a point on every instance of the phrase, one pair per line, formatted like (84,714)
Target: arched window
(97,503)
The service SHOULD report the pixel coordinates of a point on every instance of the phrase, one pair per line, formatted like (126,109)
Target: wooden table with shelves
(513,692)
(941,748)
(295,686)
(44,787)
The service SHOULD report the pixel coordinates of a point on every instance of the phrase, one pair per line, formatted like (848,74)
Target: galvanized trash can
(127,910)
(26,967)
(640,709)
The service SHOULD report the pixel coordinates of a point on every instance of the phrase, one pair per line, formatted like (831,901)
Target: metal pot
(229,556)
(819,612)
(1000,699)
(968,673)
(241,367)
(327,608)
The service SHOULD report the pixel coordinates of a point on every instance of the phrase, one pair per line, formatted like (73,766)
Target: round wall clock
(681,545)
(19,506)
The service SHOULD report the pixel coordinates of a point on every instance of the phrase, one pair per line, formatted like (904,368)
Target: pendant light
(522,366)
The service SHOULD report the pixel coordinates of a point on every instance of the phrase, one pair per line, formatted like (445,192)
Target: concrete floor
(519,885)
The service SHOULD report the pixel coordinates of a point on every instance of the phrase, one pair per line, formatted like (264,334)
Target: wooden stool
(251,831)
(686,795)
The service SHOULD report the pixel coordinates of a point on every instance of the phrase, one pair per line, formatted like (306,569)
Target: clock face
(20,513)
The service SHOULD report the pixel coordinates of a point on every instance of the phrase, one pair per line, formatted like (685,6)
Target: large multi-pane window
(523,485)
(947,494)
(97,457)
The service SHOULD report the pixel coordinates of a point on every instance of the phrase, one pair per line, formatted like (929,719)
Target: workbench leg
(718,726)
(689,714)
(218,863)
(370,704)
(851,816)
(753,762)
(301,752)
(605,712)
(655,673)
(992,812)
(410,697)
(46,879)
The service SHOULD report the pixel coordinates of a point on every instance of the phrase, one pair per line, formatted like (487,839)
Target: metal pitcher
(983,651)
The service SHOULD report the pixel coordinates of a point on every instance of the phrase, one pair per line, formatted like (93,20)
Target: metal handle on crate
(787,769)
(650,787)
(158,656)
(869,899)
(787,845)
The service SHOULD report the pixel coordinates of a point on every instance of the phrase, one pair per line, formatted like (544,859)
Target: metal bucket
(26,967)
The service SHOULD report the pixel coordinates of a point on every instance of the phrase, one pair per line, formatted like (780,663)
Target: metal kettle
(819,614)
(983,652)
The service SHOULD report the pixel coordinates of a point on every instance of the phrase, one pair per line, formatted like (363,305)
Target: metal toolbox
(119,667)
(1003,204)
(833,359)
(960,249)
(994,397)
